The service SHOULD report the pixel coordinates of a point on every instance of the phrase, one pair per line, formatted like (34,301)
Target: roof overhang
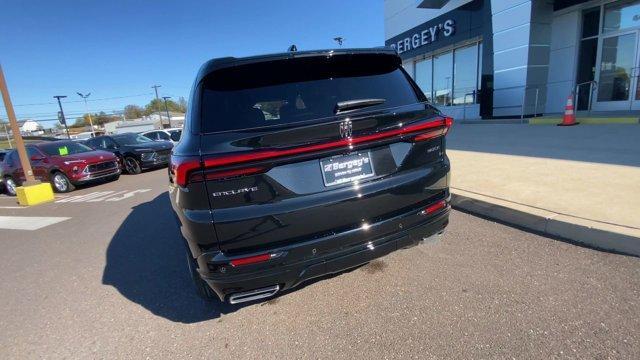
(432,4)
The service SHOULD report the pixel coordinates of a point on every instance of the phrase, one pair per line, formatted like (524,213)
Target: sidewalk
(581,183)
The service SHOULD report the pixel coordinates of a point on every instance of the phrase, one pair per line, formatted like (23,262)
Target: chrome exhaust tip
(253,294)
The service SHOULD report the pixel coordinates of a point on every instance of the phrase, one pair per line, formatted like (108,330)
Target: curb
(594,234)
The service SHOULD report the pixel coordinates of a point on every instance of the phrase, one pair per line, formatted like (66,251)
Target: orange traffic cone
(569,118)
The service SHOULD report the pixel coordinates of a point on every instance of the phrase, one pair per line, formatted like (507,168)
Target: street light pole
(86,107)
(64,121)
(22,151)
(166,108)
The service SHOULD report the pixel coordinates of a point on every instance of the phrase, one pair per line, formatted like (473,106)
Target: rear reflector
(251,260)
(435,207)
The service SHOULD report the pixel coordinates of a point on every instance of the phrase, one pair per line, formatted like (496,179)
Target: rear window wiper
(349,105)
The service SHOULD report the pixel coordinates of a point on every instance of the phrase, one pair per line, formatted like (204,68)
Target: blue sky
(120,48)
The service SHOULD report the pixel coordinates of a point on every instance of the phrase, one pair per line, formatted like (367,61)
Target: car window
(163,135)
(130,139)
(64,148)
(31,152)
(175,134)
(288,91)
(153,135)
(108,143)
(12,158)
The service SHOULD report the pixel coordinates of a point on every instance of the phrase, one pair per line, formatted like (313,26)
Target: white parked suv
(171,134)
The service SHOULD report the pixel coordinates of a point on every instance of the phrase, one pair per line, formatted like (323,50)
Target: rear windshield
(300,89)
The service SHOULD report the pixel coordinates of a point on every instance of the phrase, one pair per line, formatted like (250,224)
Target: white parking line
(81,198)
(102,196)
(28,222)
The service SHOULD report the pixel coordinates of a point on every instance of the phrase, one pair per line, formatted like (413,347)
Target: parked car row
(67,163)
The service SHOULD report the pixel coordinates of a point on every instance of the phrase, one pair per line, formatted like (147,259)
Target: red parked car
(63,163)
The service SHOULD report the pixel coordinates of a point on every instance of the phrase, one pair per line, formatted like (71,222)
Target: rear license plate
(346,168)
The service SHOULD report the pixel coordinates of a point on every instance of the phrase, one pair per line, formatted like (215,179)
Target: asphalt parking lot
(100,273)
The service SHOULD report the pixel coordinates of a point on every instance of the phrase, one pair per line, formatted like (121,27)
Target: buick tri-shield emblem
(346,129)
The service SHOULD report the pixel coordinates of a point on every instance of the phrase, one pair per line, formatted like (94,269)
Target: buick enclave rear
(296,165)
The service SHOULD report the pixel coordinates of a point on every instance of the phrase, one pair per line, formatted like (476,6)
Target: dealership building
(503,59)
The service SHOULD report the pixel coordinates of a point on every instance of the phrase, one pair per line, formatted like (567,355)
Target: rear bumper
(302,262)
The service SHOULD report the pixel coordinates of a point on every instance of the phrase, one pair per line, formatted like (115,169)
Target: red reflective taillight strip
(235,172)
(182,167)
(270,154)
(435,207)
(251,260)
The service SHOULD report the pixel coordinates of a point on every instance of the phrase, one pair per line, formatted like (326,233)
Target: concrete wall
(521,46)
(563,60)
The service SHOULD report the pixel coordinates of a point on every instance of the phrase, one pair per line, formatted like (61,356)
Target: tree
(157,106)
(133,112)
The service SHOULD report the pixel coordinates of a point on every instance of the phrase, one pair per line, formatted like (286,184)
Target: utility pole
(155,87)
(86,107)
(22,151)
(166,108)
(62,118)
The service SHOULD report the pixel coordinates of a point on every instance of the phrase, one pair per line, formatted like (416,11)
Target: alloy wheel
(11,186)
(60,182)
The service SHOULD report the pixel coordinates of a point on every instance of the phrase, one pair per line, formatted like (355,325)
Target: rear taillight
(224,174)
(181,168)
(215,168)
(446,125)
(437,126)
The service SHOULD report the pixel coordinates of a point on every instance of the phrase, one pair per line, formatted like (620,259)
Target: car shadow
(146,264)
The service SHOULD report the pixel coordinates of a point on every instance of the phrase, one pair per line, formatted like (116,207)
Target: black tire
(61,182)
(132,165)
(202,289)
(10,186)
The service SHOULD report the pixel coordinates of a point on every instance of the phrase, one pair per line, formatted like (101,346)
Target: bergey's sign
(425,37)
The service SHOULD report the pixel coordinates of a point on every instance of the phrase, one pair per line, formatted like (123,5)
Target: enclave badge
(346,129)
(236,191)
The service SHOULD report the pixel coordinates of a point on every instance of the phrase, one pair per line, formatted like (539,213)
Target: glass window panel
(479,71)
(442,78)
(465,74)
(424,78)
(408,67)
(590,22)
(615,67)
(621,15)
(586,70)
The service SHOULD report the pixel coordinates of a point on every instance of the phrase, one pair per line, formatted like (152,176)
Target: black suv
(135,152)
(296,165)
